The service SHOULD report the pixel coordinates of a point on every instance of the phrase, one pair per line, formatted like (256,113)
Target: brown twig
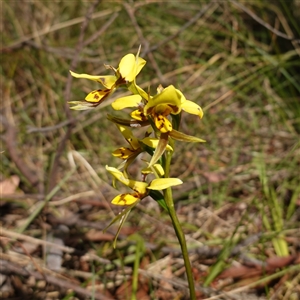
(98,33)
(67,93)
(12,148)
(10,268)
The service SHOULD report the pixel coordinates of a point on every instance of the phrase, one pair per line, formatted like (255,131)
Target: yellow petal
(160,149)
(138,115)
(127,67)
(157,169)
(86,76)
(163,183)
(140,62)
(125,199)
(153,142)
(98,95)
(125,132)
(130,66)
(135,89)
(107,81)
(132,140)
(123,152)
(138,186)
(192,108)
(162,123)
(128,101)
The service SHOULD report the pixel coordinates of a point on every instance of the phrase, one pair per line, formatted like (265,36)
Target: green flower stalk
(159,114)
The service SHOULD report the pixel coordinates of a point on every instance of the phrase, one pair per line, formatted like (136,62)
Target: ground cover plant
(239,205)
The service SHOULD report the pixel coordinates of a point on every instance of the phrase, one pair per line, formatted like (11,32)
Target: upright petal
(128,67)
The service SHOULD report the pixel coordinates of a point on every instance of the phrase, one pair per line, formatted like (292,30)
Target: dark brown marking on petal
(122,199)
(174,108)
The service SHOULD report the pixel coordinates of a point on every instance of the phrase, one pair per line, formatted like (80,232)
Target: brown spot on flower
(175,109)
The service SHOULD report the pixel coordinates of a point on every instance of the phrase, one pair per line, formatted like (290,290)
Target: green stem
(176,224)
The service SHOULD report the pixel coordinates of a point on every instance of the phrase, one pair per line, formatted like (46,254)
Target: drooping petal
(160,149)
(123,152)
(163,183)
(192,108)
(157,169)
(126,199)
(179,136)
(162,123)
(153,142)
(98,96)
(128,101)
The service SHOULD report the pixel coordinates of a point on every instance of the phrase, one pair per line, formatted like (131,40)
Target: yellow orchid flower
(166,102)
(141,189)
(128,154)
(129,67)
(169,101)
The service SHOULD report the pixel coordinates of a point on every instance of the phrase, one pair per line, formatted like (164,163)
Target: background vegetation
(240,202)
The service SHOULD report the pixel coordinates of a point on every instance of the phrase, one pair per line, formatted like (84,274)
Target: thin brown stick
(67,93)
(12,148)
(98,33)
